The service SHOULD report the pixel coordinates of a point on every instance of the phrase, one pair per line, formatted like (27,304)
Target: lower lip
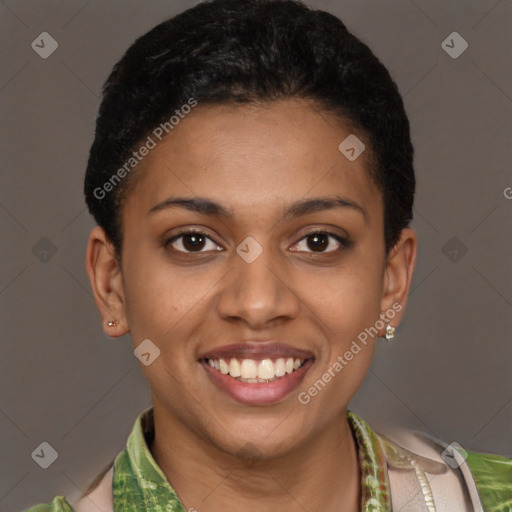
(258,393)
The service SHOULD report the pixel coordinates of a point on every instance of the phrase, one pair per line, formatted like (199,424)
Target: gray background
(64,382)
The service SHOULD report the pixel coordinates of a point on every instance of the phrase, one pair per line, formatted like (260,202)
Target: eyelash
(344,242)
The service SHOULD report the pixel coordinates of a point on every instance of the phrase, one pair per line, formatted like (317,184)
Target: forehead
(255,155)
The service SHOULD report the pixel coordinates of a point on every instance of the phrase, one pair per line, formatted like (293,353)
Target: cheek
(348,355)
(161,306)
(347,301)
(155,298)
(348,307)
(167,305)
(336,382)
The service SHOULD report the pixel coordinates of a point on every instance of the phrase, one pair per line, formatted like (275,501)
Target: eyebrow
(300,208)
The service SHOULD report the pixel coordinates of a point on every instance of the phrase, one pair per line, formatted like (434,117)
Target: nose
(258,293)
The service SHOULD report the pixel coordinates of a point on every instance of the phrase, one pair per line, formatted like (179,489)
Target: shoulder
(100,499)
(493,478)
(468,481)
(58,504)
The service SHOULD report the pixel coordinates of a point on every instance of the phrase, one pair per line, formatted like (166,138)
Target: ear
(104,270)
(397,278)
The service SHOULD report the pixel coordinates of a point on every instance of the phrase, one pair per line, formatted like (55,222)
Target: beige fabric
(100,499)
(449,489)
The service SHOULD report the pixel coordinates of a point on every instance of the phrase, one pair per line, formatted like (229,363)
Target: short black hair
(252,52)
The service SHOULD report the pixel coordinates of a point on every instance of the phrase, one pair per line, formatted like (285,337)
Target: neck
(323,474)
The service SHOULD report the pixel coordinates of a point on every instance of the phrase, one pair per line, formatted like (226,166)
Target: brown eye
(319,241)
(191,241)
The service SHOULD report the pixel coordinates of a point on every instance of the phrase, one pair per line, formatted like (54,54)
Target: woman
(252,180)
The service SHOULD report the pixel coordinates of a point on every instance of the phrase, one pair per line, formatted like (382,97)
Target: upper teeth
(251,369)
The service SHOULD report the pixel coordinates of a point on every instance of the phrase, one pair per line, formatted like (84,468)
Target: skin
(255,161)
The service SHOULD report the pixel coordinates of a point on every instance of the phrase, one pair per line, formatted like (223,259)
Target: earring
(112,323)
(390,332)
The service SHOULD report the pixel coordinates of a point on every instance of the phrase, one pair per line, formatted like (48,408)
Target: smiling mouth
(253,371)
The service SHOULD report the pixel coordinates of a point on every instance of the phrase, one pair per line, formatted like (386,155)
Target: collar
(139,483)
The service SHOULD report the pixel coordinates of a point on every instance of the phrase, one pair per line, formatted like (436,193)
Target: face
(274,275)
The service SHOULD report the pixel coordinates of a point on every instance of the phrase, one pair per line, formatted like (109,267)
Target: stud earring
(390,332)
(112,323)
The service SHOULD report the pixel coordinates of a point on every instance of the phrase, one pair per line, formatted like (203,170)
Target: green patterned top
(493,476)
(140,485)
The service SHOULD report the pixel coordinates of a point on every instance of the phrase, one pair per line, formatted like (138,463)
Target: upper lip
(256,350)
